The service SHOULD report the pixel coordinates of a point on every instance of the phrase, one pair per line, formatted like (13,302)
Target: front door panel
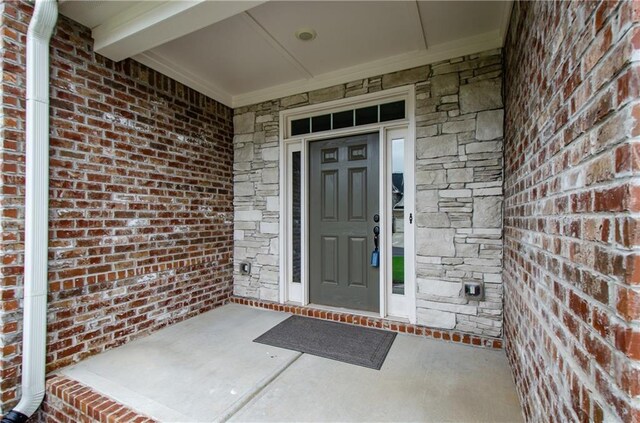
(343,200)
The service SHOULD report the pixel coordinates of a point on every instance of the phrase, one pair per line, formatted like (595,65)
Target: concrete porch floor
(208,369)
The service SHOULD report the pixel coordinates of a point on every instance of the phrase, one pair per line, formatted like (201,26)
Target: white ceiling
(253,55)
(92,13)
(349,33)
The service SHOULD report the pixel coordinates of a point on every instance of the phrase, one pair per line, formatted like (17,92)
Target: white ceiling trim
(149,24)
(403,61)
(172,70)
(415,8)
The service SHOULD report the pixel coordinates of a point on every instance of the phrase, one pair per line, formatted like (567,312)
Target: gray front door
(343,201)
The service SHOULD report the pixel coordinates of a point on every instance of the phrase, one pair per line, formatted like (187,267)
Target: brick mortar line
(192,254)
(601,306)
(581,111)
(570,335)
(110,277)
(622,32)
(611,246)
(134,184)
(579,266)
(138,180)
(591,157)
(582,295)
(568,356)
(205,175)
(626,251)
(530,353)
(625,176)
(616,181)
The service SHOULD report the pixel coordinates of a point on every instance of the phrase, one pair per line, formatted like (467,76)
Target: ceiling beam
(415,9)
(149,24)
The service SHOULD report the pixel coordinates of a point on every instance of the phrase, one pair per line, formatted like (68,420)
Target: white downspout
(34,330)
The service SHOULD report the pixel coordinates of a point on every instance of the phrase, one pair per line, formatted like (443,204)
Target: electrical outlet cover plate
(245,268)
(473,291)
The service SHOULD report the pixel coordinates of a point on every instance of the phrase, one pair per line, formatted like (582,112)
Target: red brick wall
(572,157)
(69,401)
(141,199)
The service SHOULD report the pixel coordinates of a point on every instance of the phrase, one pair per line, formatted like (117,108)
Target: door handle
(376,235)
(375,255)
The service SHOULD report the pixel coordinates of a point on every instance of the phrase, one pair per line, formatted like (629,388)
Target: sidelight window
(296,217)
(397,215)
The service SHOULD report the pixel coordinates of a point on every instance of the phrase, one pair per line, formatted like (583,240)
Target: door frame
(298,293)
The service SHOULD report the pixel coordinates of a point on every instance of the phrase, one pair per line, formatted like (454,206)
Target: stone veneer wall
(572,204)
(459,187)
(141,208)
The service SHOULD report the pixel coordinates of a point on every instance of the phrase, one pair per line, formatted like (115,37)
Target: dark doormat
(361,346)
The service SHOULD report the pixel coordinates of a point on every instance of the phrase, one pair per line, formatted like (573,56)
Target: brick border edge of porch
(376,322)
(68,400)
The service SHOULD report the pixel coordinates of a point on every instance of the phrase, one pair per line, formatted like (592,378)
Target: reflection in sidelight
(296,214)
(397,212)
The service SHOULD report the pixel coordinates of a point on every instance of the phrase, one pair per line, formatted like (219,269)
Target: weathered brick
(141,199)
(571,269)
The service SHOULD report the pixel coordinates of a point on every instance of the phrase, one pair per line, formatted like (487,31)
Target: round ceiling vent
(306,34)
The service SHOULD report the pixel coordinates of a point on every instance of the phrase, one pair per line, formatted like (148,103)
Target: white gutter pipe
(34,329)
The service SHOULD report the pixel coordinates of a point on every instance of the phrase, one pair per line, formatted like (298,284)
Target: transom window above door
(349,118)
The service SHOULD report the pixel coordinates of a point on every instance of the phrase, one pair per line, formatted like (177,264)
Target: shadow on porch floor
(208,369)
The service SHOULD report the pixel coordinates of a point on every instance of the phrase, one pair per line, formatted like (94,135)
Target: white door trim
(299,293)
(401,305)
